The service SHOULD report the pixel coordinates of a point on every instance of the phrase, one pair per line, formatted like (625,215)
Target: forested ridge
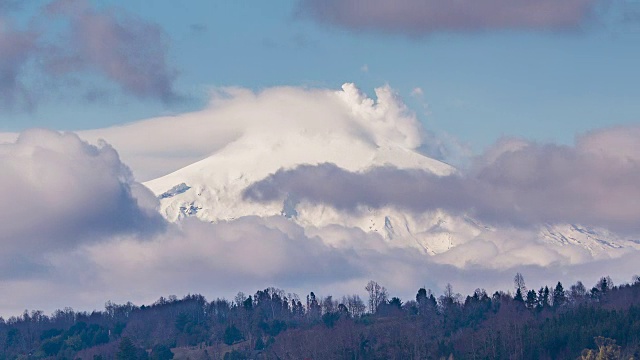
(602,322)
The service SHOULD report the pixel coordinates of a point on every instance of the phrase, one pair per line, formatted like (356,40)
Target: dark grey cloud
(529,184)
(16,49)
(126,49)
(59,193)
(72,37)
(420,17)
(378,187)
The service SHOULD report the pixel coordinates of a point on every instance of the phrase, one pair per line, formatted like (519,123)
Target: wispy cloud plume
(16,49)
(421,17)
(69,37)
(127,50)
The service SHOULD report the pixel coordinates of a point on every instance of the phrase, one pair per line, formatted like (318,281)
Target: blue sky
(478,85)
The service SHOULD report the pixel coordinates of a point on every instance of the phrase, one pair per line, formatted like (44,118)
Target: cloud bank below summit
(594,183)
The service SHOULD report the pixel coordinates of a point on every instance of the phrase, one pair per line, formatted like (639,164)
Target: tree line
(601,322)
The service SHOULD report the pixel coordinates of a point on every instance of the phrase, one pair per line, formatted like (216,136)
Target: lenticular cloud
(274,113)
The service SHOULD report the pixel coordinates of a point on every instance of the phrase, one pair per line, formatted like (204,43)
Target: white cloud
(59,193)
(156,147)
(619,142)
(417,92)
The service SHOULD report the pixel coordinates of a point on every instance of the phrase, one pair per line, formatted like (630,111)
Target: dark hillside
(549,323)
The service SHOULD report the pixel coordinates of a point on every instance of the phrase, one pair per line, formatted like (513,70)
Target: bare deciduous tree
(377,295)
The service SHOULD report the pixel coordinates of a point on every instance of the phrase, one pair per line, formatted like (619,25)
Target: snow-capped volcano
(214,185)
(365,134)
(375,134)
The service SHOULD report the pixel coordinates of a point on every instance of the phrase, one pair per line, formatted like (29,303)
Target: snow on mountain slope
(365,134)
(599,242)
(360,135)
(212,189)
